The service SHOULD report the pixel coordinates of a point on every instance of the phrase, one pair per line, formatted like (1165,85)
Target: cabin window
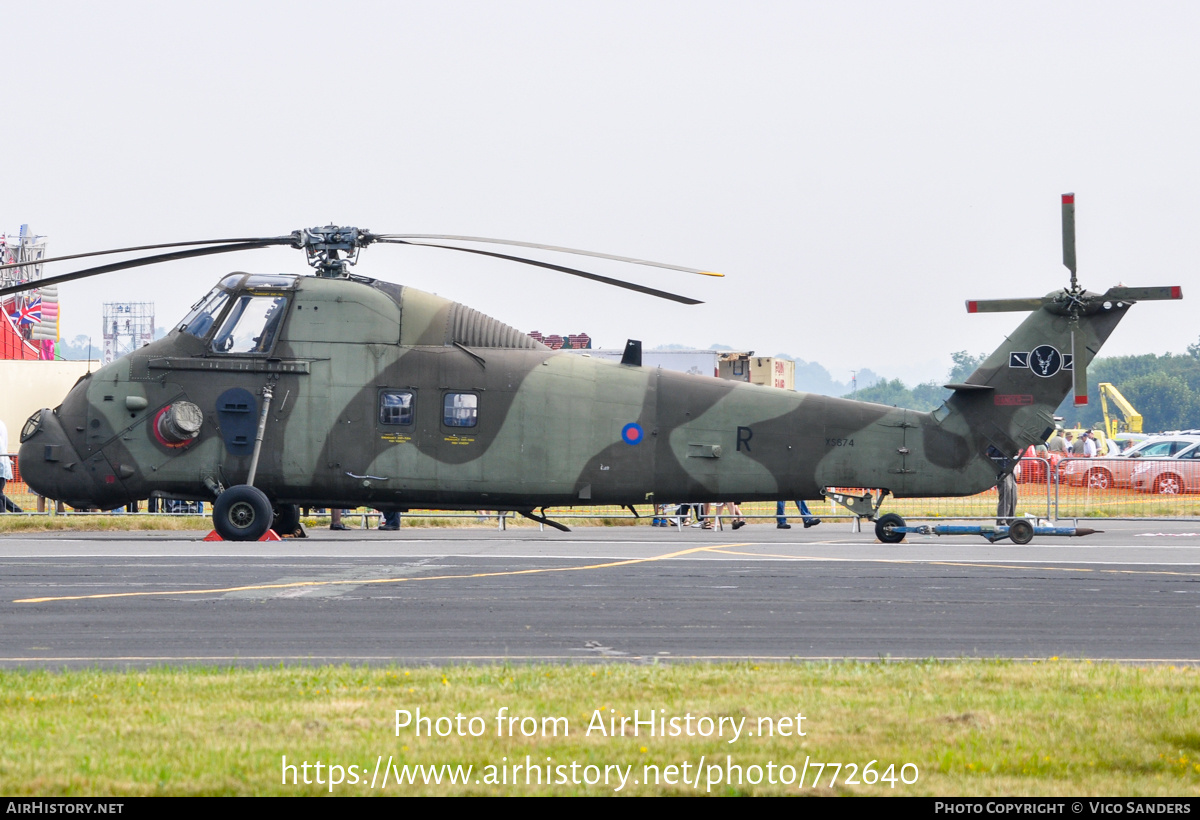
(396,407)
(460,410)
(251,325)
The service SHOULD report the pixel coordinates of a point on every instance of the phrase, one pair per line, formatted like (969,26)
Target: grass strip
(969,728)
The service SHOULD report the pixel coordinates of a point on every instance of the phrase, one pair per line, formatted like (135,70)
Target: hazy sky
(857,169)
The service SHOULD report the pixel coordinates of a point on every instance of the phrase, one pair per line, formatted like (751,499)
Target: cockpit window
(275,281)
(200,320)
(251,325)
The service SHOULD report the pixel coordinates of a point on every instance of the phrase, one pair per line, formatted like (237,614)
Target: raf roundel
(632,433)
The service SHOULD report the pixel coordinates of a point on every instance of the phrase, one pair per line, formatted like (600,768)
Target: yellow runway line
(361,582)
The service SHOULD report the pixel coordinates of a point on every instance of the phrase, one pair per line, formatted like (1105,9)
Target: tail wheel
(242,513)
(1168,484)
(1020,531)
(885,529)
(1099,479)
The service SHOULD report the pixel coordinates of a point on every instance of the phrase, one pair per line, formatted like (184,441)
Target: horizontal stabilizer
(1003,305)
(968,387)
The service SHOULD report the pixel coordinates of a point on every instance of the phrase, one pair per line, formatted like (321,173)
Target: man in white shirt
(1089,445)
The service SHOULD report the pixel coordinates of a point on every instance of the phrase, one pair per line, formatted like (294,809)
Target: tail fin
(1010,400)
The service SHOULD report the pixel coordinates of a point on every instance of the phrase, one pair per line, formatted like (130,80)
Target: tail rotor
(1074,302)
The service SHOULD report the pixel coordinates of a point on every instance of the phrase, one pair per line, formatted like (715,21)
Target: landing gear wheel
(1020,531)
(884,529)
(242,513)
(287,519)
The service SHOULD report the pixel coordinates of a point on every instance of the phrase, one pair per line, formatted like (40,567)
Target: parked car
(1169,476)
(1118,471)
(1032,467)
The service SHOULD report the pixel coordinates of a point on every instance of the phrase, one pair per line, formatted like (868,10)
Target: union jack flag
(30,314)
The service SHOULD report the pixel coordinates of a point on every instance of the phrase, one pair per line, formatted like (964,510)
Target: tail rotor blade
(1068,230)
(1078,369)
(1003,305)
(1144,294)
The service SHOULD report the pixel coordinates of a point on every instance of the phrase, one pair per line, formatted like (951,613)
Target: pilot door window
(251,325)
(204,313)
(460,410)
(396,407)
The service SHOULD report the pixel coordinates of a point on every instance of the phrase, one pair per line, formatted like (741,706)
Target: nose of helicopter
(52,467)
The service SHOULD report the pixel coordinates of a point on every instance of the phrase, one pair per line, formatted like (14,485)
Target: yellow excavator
(1112,425)
(1105,444)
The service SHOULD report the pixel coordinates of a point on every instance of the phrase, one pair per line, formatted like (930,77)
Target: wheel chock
(269,535)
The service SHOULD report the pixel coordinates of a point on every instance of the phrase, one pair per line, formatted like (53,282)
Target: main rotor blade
(629,259)
(276,240)
(134,263)
(1068,230)
(662,294)
(1003,305)
(1143,294)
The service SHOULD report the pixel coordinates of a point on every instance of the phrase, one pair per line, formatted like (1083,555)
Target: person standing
(1057,443)
(6,472)
(739,520)
(781,523)
(1006,486)
(1006,499)
(1089,444)
(335,519)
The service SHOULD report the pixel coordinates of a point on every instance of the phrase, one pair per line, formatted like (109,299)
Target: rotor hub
(332,249)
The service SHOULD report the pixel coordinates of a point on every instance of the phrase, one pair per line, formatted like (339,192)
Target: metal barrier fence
(1051,489)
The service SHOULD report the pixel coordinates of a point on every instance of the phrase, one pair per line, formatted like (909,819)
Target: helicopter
(339,390)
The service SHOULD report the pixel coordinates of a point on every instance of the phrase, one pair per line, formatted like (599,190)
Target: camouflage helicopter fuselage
(395,398)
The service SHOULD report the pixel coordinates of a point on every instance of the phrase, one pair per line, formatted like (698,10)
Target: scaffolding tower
(127,326)
(24,247)
(29,320)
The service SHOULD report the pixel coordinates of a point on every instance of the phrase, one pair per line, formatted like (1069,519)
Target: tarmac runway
(635,594)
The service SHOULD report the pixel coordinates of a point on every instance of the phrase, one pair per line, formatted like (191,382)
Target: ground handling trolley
(891,528)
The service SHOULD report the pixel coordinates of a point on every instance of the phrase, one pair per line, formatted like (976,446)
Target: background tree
(964,365)
(1165,401)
